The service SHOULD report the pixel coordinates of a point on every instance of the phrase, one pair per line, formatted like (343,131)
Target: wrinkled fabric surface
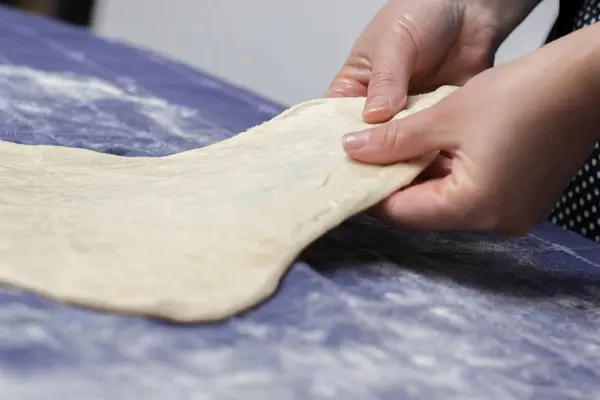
(369,312)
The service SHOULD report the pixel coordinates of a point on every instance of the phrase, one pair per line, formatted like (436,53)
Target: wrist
(502,16)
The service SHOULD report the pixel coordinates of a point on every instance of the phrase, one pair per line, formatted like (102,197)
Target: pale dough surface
(195,236)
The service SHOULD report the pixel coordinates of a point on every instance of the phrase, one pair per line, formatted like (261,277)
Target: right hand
(419,45)
(514,135)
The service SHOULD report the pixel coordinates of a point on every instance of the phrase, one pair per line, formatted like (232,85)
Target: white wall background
(285,50)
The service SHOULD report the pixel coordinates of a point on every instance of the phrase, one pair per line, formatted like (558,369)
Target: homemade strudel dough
(195,236)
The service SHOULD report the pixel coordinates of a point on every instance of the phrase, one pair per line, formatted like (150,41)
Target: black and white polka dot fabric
(587,14)
(579,207)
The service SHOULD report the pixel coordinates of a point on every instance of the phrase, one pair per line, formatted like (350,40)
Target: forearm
(568,75)
(588,41)
(581,50)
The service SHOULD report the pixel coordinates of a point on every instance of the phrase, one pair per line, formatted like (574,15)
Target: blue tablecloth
(369,313)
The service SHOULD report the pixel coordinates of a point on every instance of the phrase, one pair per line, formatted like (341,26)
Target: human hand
(511,139)
(427,43)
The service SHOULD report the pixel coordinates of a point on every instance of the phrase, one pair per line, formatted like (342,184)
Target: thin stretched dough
(195,236)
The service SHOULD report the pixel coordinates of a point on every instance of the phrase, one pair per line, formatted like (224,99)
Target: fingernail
(355,140)
(379,103)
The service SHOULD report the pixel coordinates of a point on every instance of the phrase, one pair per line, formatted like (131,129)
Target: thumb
(388,83)
(400,140)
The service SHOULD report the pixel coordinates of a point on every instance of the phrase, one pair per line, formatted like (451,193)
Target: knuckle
(389,136)
(341,83)
(358,62)
(383,78)
(406,30)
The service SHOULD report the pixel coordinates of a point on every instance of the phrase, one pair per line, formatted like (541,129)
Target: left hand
(511,140)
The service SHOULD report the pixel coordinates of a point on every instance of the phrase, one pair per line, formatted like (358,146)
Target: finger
(346,87)
(388,85)
(400,140)
(351,81)
(432,205)
(439,168)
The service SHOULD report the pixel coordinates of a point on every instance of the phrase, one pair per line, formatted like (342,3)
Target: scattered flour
(38,102)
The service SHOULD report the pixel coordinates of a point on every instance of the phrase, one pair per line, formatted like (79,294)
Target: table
(368,312)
